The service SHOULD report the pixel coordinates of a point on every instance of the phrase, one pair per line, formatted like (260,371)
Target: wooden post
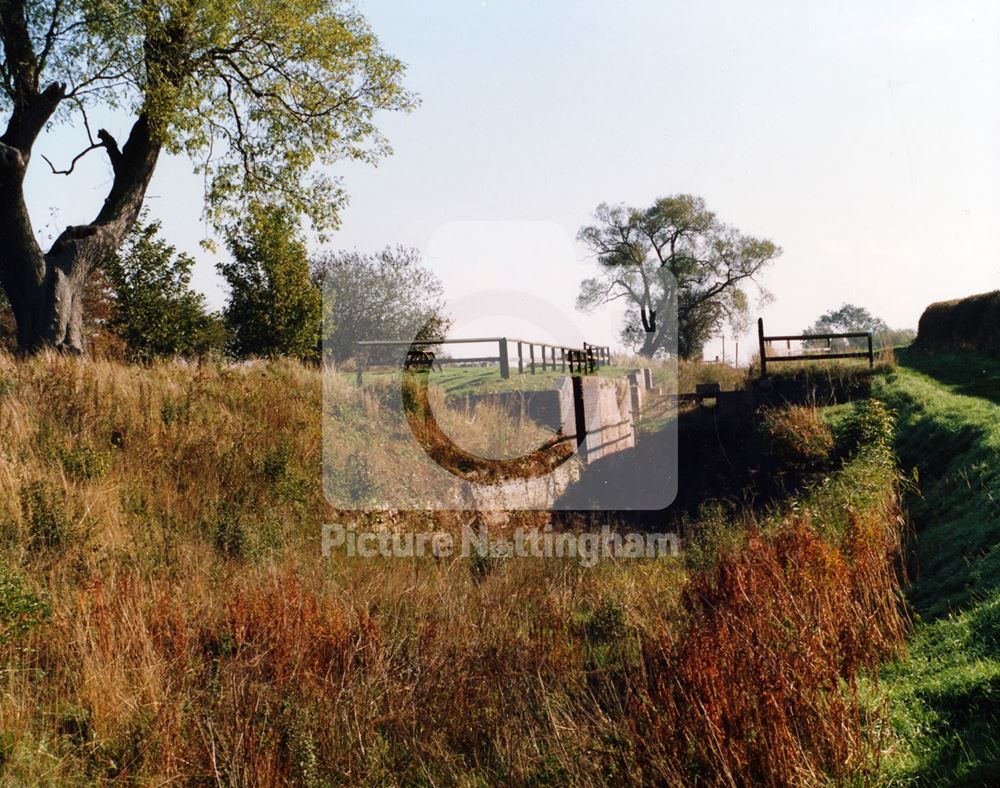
(504,361)
(520,358)
(580,417)
(531,350)
(763,347)
(871,352)
(543,358)
(562,357)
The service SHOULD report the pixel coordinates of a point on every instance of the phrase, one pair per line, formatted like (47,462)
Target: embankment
(945,697)
(971,323)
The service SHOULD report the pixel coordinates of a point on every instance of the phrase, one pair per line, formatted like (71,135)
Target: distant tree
(676,251)
(155,312)
(274,308)
(849,319)
(387,295)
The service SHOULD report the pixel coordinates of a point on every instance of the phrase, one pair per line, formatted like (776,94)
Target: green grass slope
(945,697)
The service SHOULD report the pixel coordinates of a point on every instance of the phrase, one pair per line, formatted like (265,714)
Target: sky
(860,137)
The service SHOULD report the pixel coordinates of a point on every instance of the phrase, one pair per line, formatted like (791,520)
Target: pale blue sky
(862,140)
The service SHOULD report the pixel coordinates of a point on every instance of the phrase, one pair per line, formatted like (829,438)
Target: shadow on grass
(946,695)
(970,374)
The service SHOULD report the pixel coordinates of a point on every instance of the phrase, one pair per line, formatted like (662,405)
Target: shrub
(870,423)
(607,622)
(20,609)
(84,463)
(795,436)
(45,512)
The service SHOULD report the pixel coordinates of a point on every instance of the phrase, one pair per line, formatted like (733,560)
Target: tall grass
(166,614)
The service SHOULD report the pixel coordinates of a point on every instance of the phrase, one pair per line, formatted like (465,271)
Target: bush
(20,609)
(46,514)
(85,463)
(796,436)
(871,424)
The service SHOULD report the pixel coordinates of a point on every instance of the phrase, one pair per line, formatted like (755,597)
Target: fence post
(531,351)
(871,352)
(580,417)
(562,357)
(504,361)
(543,358)
(520,358)
(763,347)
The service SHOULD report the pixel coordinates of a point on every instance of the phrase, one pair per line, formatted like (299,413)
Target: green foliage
(46,513)
(156,313)
(8,328)
(263,94)
(606,623)
(675,255)
(870,423)
(387,295)
(242,535)
(21,610)
(274,308)
(944,696)
(795,436)
(850,319)
(85,463)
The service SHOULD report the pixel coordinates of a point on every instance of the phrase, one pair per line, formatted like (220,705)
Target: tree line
(282,301)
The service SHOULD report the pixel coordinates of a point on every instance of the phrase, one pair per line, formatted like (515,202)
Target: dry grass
(166,521)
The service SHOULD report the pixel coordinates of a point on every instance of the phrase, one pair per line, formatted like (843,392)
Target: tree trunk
(51,314)
(649,345)
(46,290)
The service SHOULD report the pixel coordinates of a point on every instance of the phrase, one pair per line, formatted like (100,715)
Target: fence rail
(765,342)
(588,358)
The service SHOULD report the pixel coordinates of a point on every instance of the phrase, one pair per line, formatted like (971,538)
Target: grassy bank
(945,698)
(166,614)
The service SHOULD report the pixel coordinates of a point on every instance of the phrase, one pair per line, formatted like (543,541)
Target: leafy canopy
(262,94)
(274,308)
(388,295)
(155,311)
(673,255)
(850,318)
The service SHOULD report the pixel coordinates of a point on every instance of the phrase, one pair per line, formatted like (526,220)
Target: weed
(795,436)
(85,463)
(46,512)
(21,610)
(607,622)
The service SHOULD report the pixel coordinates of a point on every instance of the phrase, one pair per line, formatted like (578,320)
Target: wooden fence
(765,343)
(586,359)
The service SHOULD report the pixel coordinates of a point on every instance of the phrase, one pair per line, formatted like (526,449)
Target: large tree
(674,254)
(259,94)
(387,295)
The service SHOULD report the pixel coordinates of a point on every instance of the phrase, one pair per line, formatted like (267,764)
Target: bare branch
(72,164)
